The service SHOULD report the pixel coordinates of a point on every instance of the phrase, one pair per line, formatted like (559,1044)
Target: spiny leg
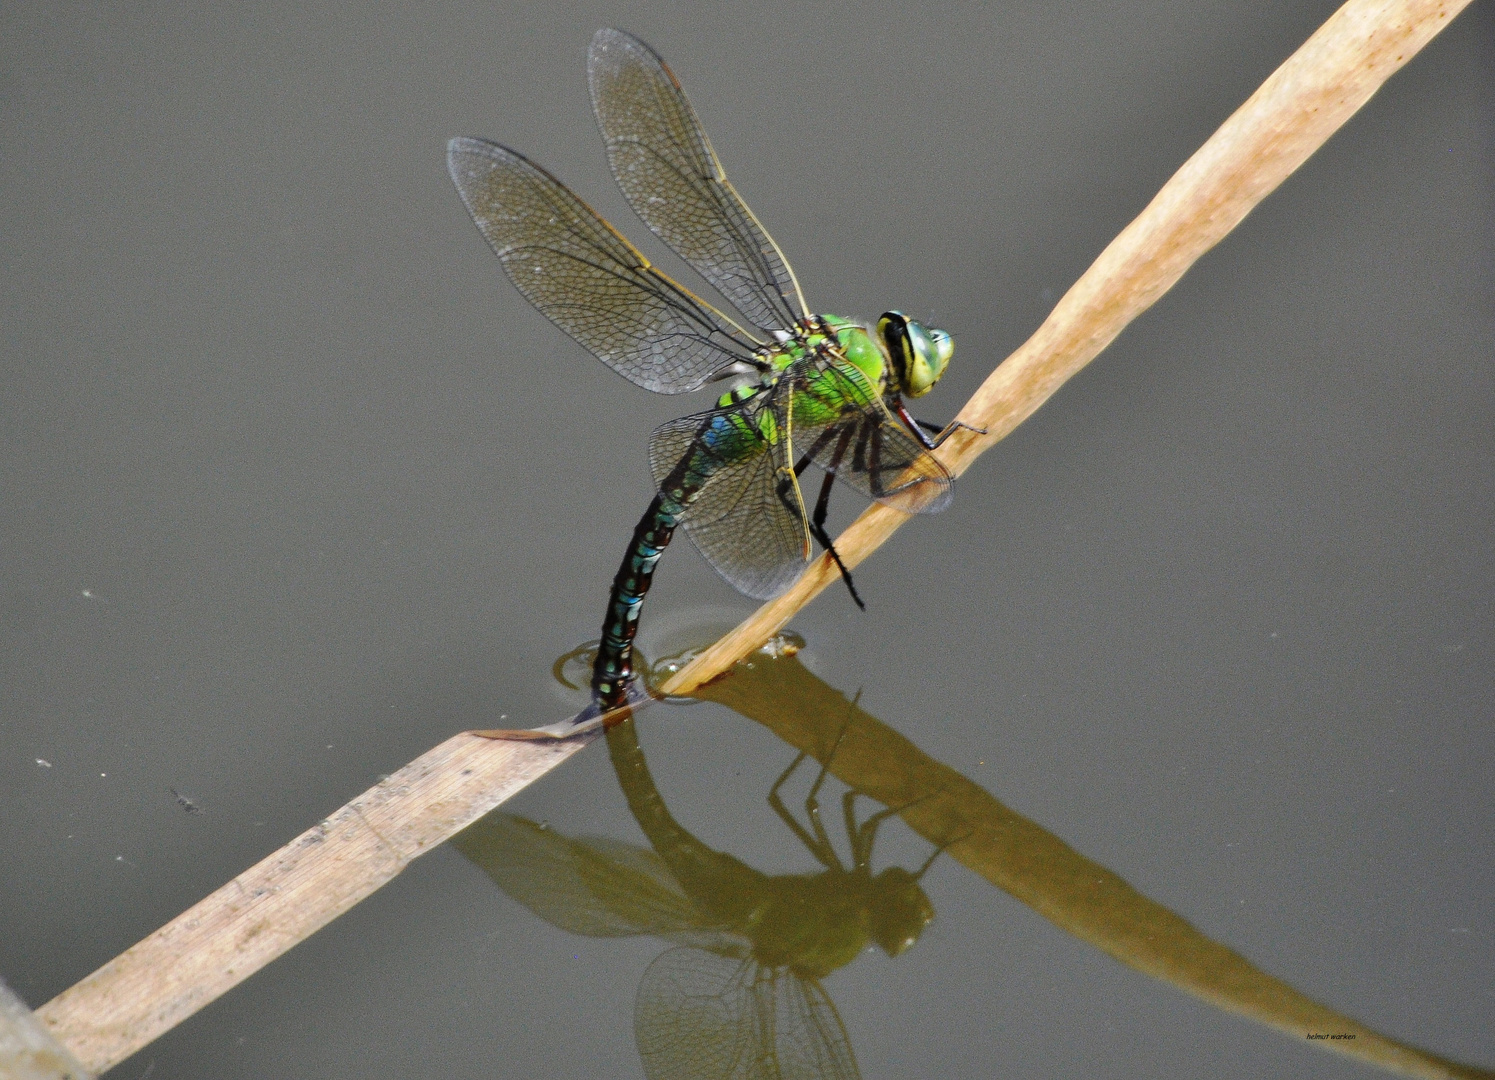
(819,844)
(849,796)
(859,455)
(812,811)
(936,853)
(849,812)
(867,832)
(822,504)
(812,800)
(823,852)
(918,427)
(874,460)
(787,488)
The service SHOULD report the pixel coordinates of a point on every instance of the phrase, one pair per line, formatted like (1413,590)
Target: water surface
(296,485)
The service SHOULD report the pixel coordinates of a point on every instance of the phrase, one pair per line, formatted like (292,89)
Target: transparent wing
(586,885)
(880,459)
(671,177)
(587,279)
(748,520)
(706,1016)
(811,1039)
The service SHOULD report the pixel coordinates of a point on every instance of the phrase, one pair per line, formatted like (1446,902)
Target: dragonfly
(740,996)
(809,388)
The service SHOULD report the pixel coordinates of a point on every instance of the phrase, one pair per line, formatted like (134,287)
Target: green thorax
(830,342)
(812,923)
(846,344)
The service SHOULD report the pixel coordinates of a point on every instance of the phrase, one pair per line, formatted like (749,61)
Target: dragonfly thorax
(830,337)
(817,342)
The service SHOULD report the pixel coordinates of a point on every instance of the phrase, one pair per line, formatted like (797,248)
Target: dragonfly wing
(586,885)
(670,175)
(810,1038)
(694,1017)
(708,1016)
(881,459)
(748,519)
(587,279)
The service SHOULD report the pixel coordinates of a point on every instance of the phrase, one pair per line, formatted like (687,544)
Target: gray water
(296,485)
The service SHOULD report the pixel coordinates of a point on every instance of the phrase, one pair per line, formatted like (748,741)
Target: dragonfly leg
(919,427)
(823,853)
(849,812)
(812,800)
(866,834)
(936,853)
(812,811)
(816,524)
(817,530)
(823,503)
(873,437)
(815,447)
(817,842)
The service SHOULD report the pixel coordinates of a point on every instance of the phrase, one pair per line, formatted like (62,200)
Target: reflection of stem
(1023,859)
(1290,116)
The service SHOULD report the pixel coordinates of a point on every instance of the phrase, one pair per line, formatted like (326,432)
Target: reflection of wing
(671,177)
(881,460)
(587,279)
(586,885)
(739,521)
(704,1016)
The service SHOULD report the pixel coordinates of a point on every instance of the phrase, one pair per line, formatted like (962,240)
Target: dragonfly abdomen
(613,671)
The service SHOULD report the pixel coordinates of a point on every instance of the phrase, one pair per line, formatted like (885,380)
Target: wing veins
(730,208)
(642,323)
(658,147)
(642,277)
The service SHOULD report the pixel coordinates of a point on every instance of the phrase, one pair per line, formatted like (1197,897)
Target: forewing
(748,533)
(587,279)
(670,175)
(706,1016)
(881,459)
(586,885)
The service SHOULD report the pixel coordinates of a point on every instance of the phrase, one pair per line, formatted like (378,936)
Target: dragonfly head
(919,353)
(900,910)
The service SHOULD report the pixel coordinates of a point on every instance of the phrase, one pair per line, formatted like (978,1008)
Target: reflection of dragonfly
(741,995)
(819,389)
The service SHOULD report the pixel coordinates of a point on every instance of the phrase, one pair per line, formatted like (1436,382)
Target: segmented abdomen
(722,440)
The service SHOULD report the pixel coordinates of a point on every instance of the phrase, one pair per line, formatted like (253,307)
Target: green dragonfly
(813,388)
(741,996)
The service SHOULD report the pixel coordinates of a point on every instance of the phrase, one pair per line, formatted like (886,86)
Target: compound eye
(932,349)
(943,345)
